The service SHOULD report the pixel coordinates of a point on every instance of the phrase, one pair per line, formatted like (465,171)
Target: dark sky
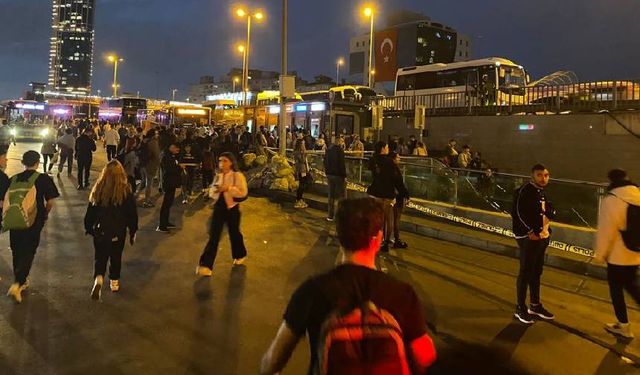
(170,43)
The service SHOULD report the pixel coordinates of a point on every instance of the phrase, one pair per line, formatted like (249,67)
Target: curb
(559,262)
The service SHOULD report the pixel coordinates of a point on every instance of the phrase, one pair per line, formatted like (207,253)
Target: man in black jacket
(171,180)
(85,147)
(336,172)
(531,214)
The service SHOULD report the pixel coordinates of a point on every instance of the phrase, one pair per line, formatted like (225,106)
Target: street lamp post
(282,147)
(338,65)
(115,60)
(173,95)
(235,81)
(245,79)
(243,50)
(368,11)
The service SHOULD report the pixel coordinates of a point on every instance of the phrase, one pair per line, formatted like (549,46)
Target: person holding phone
(111,211)
(228,190)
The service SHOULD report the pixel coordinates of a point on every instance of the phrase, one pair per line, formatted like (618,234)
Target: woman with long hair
(302,171)
(111,211)
(228,189)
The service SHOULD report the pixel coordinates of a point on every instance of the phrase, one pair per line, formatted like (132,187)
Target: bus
(347,93)
(269,97)
(189,114)
(489,81)
(225,112)
(123,110)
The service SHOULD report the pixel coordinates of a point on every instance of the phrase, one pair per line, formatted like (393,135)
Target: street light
(368,11)
(236,80)
(173,94)
(242,13)
(243,51)
(339,63)
(115,60)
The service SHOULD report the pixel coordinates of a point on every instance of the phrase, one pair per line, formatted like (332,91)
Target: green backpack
(20,207)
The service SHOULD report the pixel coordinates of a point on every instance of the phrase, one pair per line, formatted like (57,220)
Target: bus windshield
(512,76)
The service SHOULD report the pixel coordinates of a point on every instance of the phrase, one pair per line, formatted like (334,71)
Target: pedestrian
(451,153)
(85,147)
(357,147)
(302,171)
(111,141)
(413,143)
(149,159)
(130,161)
(111,211)
(618,244)
(402,197)
(189,163)
(66,144)
(48,150)
(476,162)
(321,145)
(4,179)
(208,169)
(171,180)
(464,159)
(420,150)
(387,179)
(355,306)
(228,190)
(531,214)
(336,171)
(35,192)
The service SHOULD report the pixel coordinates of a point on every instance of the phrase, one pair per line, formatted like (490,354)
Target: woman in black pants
(112,210)
(302,172)
(229,187)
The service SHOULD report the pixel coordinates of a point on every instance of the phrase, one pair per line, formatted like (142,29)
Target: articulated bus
(490,81)
(272,97)
(189,114)
(341,94)
(225,112)
(123,110)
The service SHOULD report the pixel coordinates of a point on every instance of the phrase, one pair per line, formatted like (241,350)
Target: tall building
(71,54)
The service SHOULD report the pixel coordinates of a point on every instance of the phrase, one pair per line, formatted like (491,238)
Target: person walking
(302,171)
(614,244)
(402,197)
(48,150)
(171,180)
(387,179)
(531,214)
(37,191)
(357,147)
(229,188)
(85,147)
(150,163)
(208,169)
(111,141)
(111,212)
(465,157)
(336,171)
(420,150)
(67,144)
(130,162)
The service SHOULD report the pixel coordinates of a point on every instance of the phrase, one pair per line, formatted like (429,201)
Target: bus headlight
(44,132)
(13,132)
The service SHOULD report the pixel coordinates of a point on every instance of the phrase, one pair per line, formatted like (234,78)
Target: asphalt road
(167,321)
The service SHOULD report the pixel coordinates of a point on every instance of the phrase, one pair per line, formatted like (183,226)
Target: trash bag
(249,159)
(260,161)
(280,184)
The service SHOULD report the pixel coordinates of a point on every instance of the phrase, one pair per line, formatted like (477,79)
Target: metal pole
(337,73)
(371,51)
(115,77)
(247,52)
(283,107)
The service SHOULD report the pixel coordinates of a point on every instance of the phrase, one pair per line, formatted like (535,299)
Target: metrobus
(225,112)
(489,81)
(123,110)
(269,97)
(341,93)
(189,114)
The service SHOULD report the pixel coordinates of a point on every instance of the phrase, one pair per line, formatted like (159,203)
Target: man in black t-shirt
(359,226)
(24,243)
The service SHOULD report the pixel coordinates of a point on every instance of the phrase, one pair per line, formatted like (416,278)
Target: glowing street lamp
(368,11)
(115,60)
(242,13)
(339,63)
(236,80)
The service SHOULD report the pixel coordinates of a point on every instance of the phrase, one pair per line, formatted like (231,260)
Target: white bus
(490,81)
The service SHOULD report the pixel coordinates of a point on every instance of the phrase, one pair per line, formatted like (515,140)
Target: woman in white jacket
(229,187)
(622,263)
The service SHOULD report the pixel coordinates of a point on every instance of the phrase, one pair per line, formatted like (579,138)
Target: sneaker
(619,329)
(114,285)
(540,311)
(329,219)
(384,247)
(304,204)
(162,229)
(239,261)
(204,271)
(184,201)
(97,288)
(15,292)
(298,204)
(522,315)
(399,244)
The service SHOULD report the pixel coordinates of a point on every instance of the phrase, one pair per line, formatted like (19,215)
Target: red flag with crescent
(386,57)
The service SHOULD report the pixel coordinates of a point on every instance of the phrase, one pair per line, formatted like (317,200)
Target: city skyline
(584,36)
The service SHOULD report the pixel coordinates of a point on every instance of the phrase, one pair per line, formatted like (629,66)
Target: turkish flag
(386,58)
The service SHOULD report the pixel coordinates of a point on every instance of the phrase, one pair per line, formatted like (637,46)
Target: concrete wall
(576,146)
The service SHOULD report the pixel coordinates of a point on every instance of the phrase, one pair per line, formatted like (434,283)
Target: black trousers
(397,213)
(222,215)
(337,191)
(46,158)
(66,157)
(84,168)
(132,183)
(207,178)
(531,264)
(303,184)
(24,244)
(167,202)
(111,151)
(108,251)
(622,278)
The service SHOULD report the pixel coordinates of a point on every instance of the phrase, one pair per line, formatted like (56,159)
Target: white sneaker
(619,329)
(204,271)
(239,261)
(304,204)
(114,285)
(15,292)
(97,287)
(298,204)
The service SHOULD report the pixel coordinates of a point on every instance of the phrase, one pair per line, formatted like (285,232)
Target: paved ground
(166,321)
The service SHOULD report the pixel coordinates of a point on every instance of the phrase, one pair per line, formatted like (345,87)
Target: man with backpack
(618,244)
(27,203)
(358,320)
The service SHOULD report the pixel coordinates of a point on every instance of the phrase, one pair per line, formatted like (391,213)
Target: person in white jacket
(229,187)
(622,263)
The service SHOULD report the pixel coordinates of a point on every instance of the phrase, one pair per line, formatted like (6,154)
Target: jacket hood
(629,194)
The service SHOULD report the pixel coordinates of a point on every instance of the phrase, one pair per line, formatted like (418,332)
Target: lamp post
(243,51)
(173,94)
(368,11)
(235,81)
(282,147)
(338,65)
(115,60)
(240,12)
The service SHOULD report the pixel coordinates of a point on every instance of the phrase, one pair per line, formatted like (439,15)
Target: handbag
(239,199)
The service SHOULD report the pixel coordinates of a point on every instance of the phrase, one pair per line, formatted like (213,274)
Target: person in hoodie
(622,263)
(85,147)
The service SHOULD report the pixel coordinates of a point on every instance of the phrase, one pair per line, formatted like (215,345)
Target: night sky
(171,43)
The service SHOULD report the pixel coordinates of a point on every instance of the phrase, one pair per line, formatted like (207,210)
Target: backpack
(20,207)
(631,236)
(362,340)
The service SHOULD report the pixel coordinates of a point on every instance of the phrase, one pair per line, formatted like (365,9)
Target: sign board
(287,86)
(420,117)
(377,117)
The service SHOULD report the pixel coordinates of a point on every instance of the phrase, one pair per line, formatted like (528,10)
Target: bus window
(406,82)
(344,125)
(349,94)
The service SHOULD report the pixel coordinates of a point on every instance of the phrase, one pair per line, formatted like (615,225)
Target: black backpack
(631,236)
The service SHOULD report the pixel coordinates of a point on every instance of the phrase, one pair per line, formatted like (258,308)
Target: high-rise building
(71,54)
